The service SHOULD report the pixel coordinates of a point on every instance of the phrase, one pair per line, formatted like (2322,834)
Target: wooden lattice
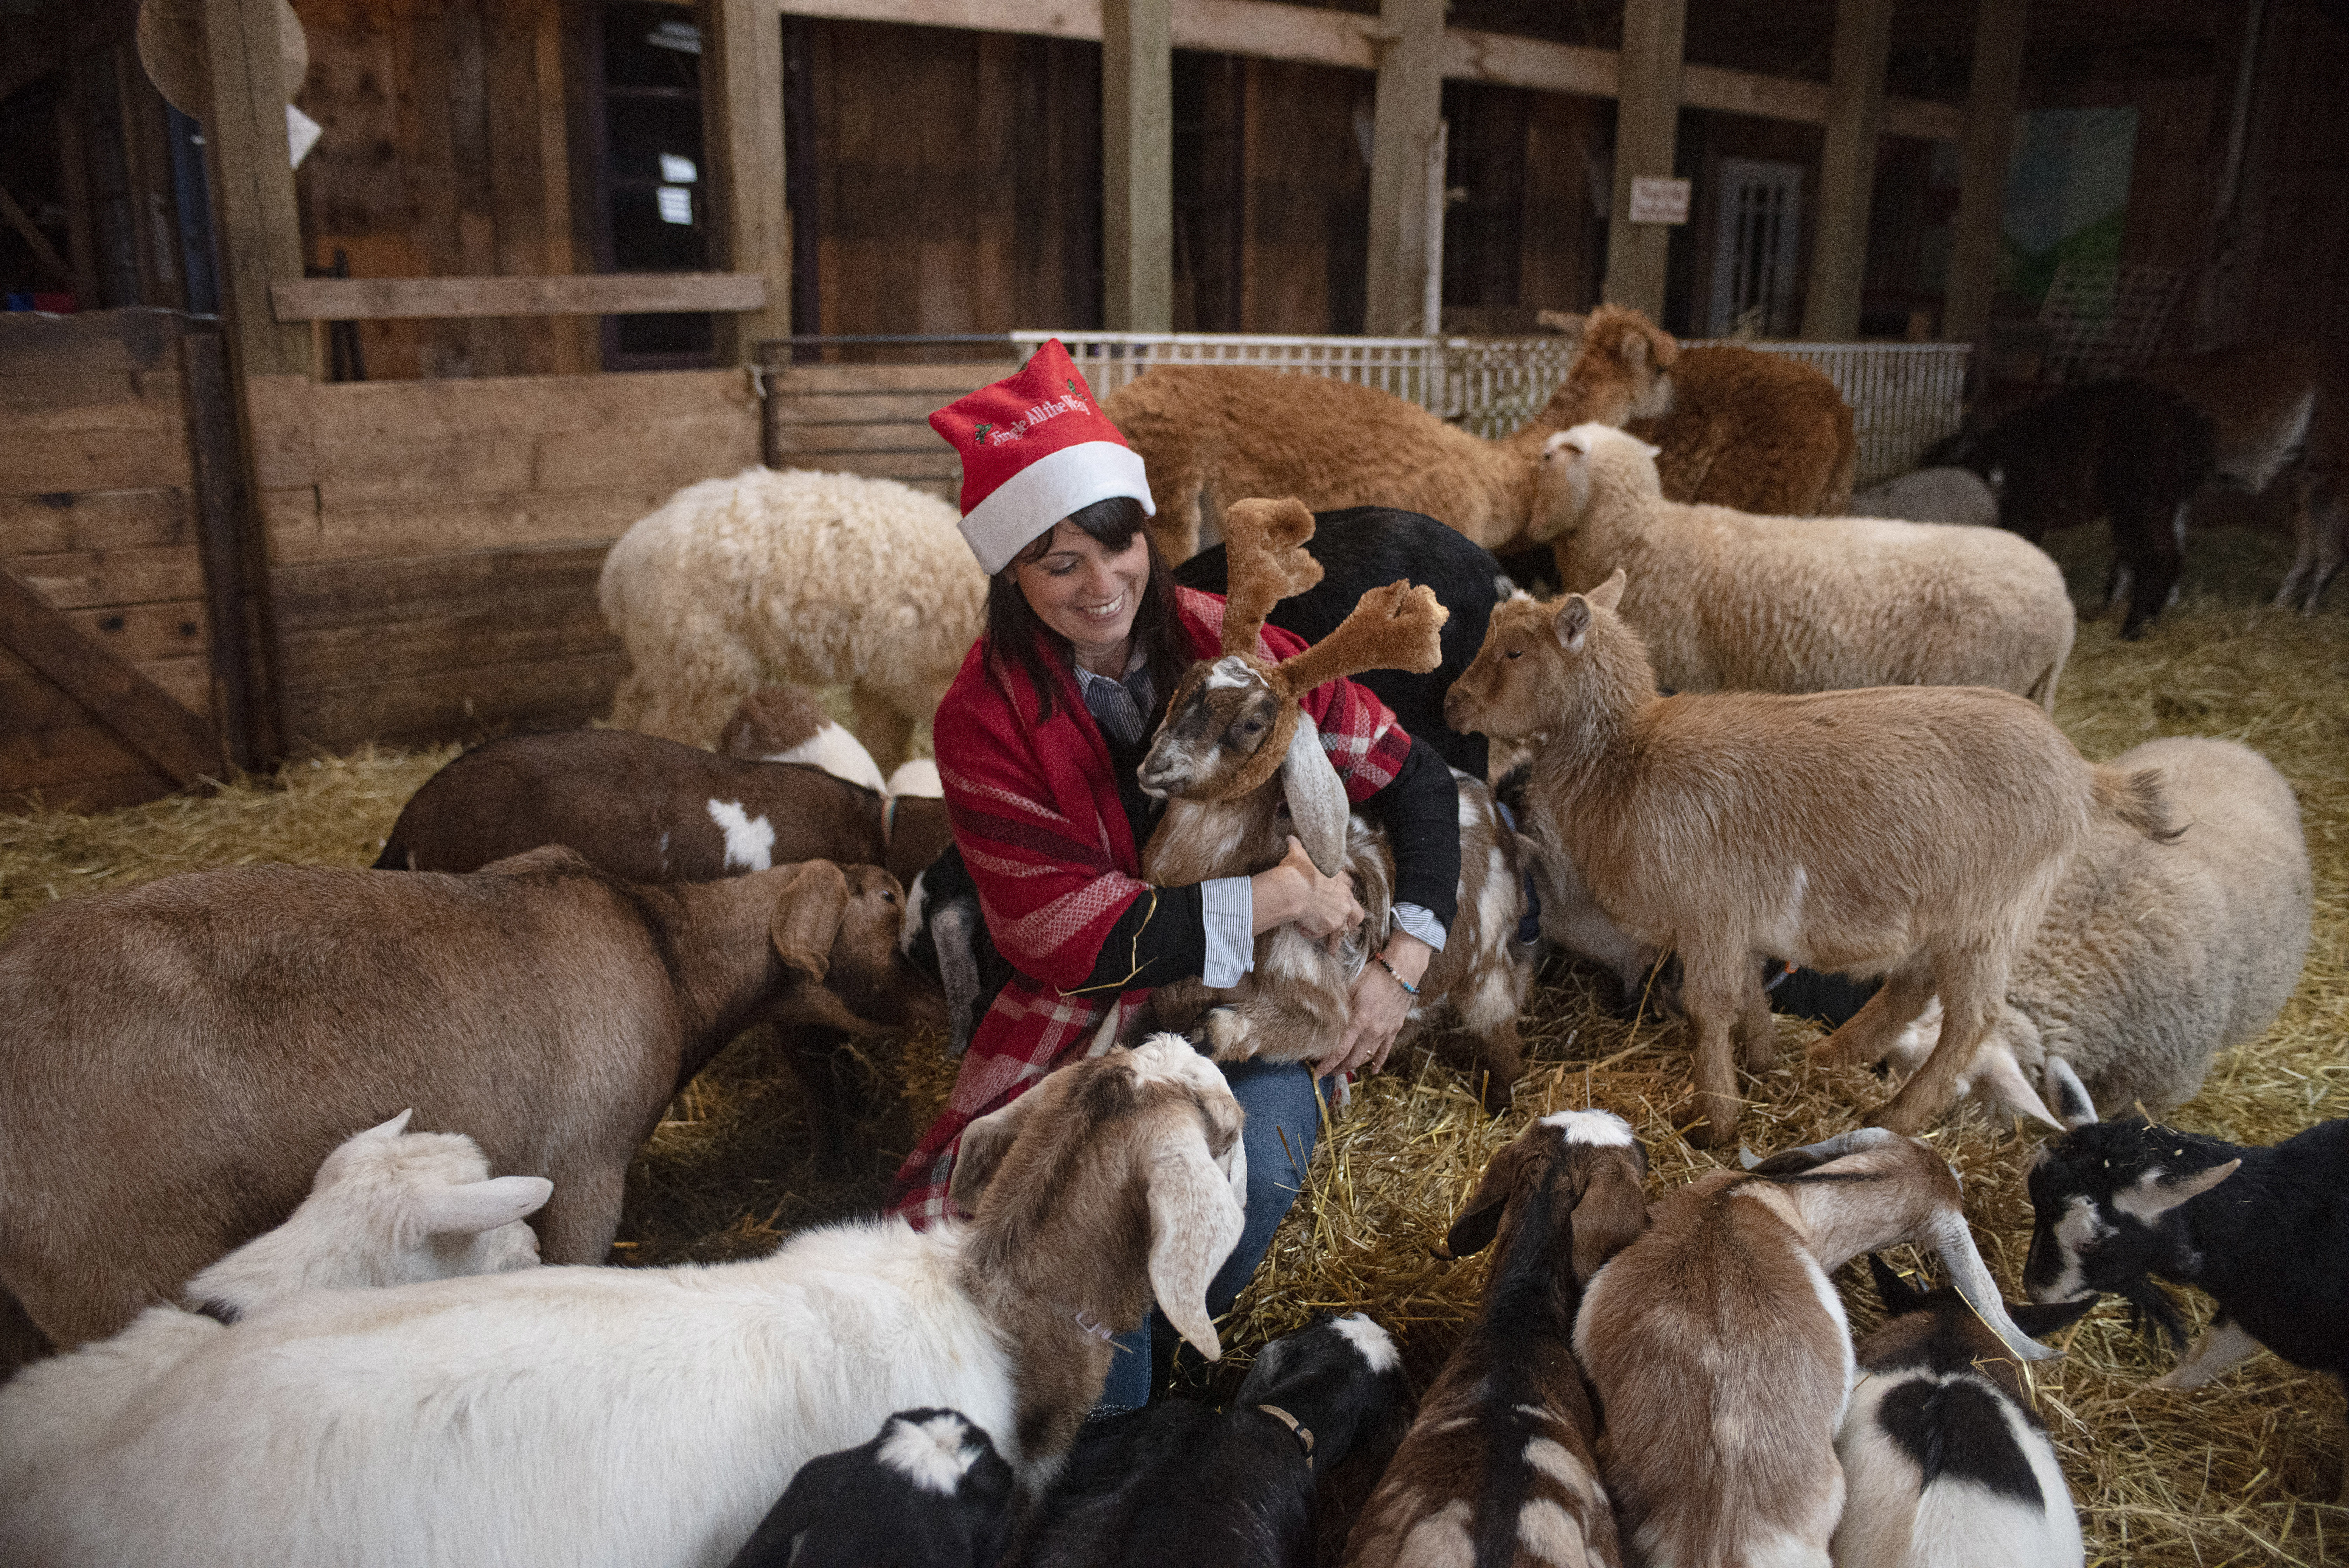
(2108,317)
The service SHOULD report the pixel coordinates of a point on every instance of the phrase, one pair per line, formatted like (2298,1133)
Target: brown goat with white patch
(1721,1355)
(181,1055)
(1499,1466)
(1235,746)
(1913,832)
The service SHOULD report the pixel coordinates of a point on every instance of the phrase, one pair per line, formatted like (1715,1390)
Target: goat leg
(1969,990)
(1867,1037)
(1757,1031)
(1709,985)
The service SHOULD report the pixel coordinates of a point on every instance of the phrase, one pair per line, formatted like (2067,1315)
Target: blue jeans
(1279,1099)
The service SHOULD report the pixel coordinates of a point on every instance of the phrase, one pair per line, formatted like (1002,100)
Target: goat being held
(1236,745)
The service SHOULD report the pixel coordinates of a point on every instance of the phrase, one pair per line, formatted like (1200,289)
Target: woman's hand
(1295,892)
(1380,1007)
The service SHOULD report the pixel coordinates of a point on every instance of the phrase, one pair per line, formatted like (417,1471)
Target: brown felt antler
(1264,548)
(1398,627)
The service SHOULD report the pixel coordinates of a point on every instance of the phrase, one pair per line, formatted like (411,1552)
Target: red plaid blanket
(1035,809)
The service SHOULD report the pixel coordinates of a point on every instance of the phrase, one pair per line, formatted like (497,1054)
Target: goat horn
(1949,1236)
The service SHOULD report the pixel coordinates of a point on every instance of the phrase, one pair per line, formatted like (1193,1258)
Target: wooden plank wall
(98,512)
(434,545)
(2297,200)
(446,153)
(1306,200)
(872,418)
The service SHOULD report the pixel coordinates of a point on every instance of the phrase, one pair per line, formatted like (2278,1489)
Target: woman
(1038,742)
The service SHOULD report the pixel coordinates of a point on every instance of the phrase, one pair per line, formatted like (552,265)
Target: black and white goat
(930,1491)
(945,938)
(1179,1485)
(1945,1463)
(2120,1202)
(1364,548)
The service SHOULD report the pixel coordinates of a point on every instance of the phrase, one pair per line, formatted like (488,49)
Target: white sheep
(651,1416)
(816,579)
(1729,601)
(2153,957)
(389,1207)
(1957,495)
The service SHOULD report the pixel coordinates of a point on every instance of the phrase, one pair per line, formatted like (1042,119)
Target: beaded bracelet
(1381,959)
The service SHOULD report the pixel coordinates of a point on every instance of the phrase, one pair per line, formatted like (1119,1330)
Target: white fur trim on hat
(1026,506)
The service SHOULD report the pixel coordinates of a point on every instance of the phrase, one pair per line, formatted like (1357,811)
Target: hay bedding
(2232,1473)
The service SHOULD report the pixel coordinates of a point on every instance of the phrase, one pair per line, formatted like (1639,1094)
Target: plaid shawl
(1036,811)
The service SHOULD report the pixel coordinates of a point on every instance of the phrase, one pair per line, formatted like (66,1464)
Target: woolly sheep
(818,580)
(1932,496)
(2153,957)
(1726,601)
(651,1416)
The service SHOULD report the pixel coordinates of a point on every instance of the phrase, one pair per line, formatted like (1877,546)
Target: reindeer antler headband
(1397,626)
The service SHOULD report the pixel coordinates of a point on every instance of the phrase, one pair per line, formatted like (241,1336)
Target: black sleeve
(1161,938)
(1421,812)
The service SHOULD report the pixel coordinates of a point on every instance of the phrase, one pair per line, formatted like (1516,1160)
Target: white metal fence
(1904,396)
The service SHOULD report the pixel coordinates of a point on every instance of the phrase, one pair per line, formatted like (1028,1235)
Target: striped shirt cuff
(1228,905)
(1419,922)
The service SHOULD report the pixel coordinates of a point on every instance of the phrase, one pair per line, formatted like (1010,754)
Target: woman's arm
(1167,934)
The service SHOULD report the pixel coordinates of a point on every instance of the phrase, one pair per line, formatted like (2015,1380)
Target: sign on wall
(1657,201)
(2067,186)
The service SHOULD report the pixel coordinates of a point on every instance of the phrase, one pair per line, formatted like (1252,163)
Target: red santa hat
(1035,448)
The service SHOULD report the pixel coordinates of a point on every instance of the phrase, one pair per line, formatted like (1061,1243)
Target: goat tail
(2137,800)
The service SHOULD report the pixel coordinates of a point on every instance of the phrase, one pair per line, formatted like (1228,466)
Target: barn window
(652,208)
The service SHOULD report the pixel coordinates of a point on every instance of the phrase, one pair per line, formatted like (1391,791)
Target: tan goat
(1726,600)
(1721,1355)
(1235,746)
(1913,832)
(1499,1465)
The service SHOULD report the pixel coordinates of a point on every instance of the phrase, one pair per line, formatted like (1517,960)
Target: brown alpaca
(1739,428)
(1913,832)
(1235,746)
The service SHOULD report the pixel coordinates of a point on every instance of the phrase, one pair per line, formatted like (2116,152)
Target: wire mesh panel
(1904,396)
(2108,317)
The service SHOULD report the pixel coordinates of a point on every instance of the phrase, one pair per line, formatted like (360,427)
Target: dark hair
(1021,640)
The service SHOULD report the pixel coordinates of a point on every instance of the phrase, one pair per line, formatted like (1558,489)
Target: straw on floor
(2240,1472)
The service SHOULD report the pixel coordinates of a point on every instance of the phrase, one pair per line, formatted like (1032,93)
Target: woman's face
(1086,591)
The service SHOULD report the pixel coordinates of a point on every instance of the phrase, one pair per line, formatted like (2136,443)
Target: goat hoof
(1705,1123)
(1495,1092)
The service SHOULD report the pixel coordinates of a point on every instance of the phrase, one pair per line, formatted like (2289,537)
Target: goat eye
(887,897)
(1515,653)
(1253,725)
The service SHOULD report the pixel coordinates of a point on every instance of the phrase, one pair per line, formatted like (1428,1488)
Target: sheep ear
(1608,1217)
(1610,594)
(1898,1294)
(807,918)
(2155,1193)
(1195,1222)
(2073,1108)
(480,1206)
(392,1128)
(984,1143)
(1477,1224)
(1318,807)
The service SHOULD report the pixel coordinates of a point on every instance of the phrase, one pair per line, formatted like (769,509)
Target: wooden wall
(2294,266)
(434,546)
(97,511)
(1305,201)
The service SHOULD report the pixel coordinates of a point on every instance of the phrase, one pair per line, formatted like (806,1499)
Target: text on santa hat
(1051,408)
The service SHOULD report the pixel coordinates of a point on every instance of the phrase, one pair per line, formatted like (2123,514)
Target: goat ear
(2068,1095)
(1610,594)
(807,918)
(951,930)
(1477,1224)
(2039,1322)
(1795,1161)
(2155,1193)
(1573,622)
(1898,1294)
(1318,806)
(1266,562)
(983,1145)
(479,1206)
(1608,1217)
(1195,1221)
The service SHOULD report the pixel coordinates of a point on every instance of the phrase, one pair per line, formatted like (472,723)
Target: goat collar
(1100,1331)
(1304,1433)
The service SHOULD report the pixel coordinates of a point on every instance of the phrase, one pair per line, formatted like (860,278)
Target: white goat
(589,1416)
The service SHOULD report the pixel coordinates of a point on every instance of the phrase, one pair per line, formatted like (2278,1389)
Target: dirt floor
(2233,1474)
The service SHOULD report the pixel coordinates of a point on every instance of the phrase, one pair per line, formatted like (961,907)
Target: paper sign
(302,134)
(1655,200)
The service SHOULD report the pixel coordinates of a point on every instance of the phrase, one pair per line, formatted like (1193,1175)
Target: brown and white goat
(1721,1355)
(1913,832)
(1499,1466)
(1235,746)
(250,1017)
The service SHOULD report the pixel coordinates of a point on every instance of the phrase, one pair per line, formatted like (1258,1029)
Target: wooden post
(1982,193)
(1647,114)
(1863,37)
(742,119)
(1410,101)
(252,183)
(220,534)
(1138,165)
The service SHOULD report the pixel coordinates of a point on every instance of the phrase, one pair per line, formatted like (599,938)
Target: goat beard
(2151,1309)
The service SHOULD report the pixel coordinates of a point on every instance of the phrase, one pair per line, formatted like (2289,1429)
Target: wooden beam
(1277,32)
(742,79)
(1647,114)
(106,683)
(229,600)
(1408,103)
(43,252)
(1981,191)
(1137,166)
(252,173)
(449,298)
(1863,38)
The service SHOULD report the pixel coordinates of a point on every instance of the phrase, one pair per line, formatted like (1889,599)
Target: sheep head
(1591,457)
(1236,719)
